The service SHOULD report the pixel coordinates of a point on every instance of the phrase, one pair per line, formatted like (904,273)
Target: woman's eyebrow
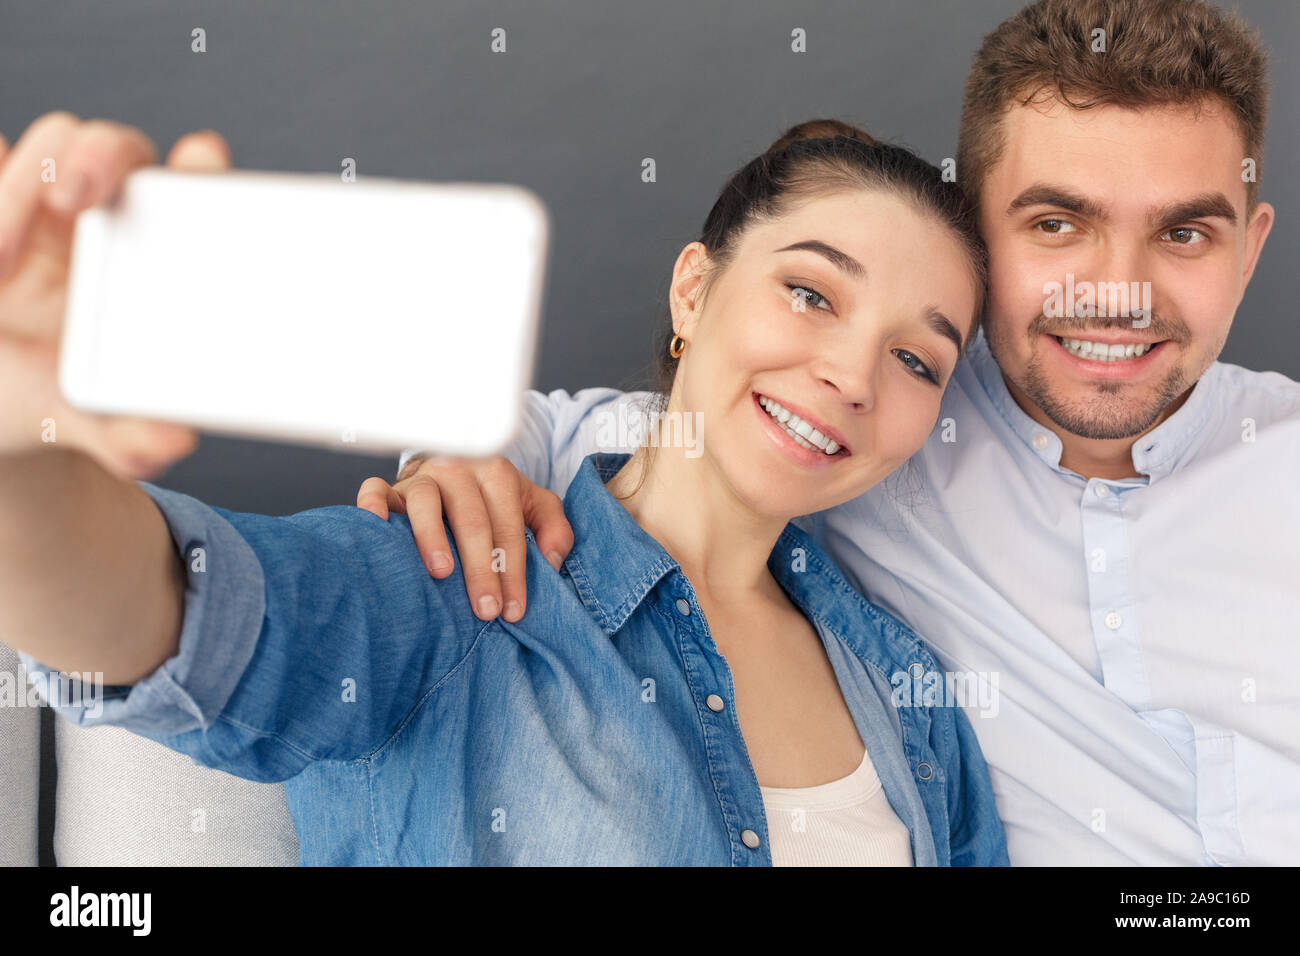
(943,325)
(842,260)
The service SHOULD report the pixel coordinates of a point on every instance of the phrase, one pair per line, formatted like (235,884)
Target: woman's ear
(684,294)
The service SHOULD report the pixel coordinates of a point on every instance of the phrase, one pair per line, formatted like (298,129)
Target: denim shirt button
(715,703)
(924,771)
(749,838)
(684,607)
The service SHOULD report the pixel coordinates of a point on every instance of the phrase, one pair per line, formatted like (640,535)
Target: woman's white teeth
(797,428)
(1101,352)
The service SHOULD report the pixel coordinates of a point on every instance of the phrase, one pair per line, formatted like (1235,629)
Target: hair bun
(821,129)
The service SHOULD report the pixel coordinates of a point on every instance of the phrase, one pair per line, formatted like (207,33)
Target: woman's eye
(1184,235)
(801,296)
(1055,227)
(916,365)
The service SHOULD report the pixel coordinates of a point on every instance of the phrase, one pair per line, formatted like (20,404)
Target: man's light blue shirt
(599,729)
(1143,635)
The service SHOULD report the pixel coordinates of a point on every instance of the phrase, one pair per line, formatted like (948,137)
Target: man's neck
(1107,458)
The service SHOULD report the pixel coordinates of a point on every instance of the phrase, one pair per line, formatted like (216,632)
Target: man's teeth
(1101,352)
(797,428)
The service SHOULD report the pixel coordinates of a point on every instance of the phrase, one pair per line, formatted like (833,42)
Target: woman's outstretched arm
(253,644)
(89,579)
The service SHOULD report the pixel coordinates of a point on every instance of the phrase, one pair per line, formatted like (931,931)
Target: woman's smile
(799,439)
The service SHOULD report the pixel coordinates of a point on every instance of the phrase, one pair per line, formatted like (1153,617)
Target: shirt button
(749,838)
(924,771)
(1101,491)
(715,703)
(1113,620)
(684,606)
(1040,441)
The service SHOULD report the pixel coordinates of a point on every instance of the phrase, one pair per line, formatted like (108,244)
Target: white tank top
(847,822)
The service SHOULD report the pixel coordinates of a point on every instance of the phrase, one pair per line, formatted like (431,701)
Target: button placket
(1110,593)
(717,704)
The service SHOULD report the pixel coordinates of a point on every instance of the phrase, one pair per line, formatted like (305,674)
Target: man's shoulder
(1237,383)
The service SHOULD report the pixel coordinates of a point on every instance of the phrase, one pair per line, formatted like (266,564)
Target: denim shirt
(317,650)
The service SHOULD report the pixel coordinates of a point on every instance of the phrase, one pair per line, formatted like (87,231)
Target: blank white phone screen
(371,315)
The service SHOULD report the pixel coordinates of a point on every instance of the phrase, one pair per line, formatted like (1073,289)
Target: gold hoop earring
(674,349)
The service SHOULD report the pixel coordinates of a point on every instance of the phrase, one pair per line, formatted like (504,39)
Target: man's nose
(1119,263)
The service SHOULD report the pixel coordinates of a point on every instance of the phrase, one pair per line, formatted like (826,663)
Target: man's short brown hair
(1157,53)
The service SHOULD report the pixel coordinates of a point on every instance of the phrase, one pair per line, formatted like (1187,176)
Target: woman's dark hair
(811,159)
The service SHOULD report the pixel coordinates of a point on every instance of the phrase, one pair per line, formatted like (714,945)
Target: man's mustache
(1160,327)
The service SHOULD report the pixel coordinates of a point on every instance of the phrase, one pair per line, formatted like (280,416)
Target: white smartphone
(373,315)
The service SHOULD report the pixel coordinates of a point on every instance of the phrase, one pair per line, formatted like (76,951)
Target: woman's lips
(811,457)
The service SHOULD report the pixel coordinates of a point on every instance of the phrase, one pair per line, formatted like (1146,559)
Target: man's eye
(803,294)
(1054,227)
(1185,235)
(916,365)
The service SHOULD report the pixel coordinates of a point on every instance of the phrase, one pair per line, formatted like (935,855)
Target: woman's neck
(688,506)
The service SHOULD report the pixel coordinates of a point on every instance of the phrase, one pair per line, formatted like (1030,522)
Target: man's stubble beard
(1111,412)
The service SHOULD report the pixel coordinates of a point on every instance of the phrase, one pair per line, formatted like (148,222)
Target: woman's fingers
(500,483)
(25,181)
(98,156)
(142,449)
(204,151)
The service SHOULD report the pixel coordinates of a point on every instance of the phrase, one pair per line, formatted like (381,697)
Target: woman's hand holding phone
(58,167)
(487,502)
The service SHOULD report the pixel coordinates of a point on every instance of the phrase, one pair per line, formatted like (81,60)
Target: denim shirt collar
(1157,454)
(615,564)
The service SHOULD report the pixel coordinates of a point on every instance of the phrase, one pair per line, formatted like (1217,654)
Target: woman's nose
(853,383)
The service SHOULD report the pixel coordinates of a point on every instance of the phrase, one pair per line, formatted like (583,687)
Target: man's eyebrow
(841,259)
(943,325)
(1204,206)
(1045,194)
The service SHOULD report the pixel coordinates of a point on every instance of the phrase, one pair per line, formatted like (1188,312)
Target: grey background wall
(586,89)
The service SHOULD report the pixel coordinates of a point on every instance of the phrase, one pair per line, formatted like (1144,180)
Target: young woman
(697,684)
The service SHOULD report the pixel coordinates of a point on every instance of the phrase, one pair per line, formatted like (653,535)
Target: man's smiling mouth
(1107,351)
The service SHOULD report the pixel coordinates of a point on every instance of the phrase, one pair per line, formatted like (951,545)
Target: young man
(1088,541)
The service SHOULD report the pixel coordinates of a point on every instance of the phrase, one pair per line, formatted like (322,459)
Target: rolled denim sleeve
(304,637)
(224,597)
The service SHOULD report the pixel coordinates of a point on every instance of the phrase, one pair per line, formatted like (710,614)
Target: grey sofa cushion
(20,768)
(125,800)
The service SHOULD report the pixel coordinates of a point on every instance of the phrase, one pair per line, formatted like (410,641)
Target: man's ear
(684,297)
(1257,230)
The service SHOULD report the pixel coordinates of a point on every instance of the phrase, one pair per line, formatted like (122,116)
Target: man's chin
(1100,420)
(1108,410)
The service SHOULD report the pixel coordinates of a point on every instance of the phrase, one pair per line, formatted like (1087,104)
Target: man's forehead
(1122,157)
